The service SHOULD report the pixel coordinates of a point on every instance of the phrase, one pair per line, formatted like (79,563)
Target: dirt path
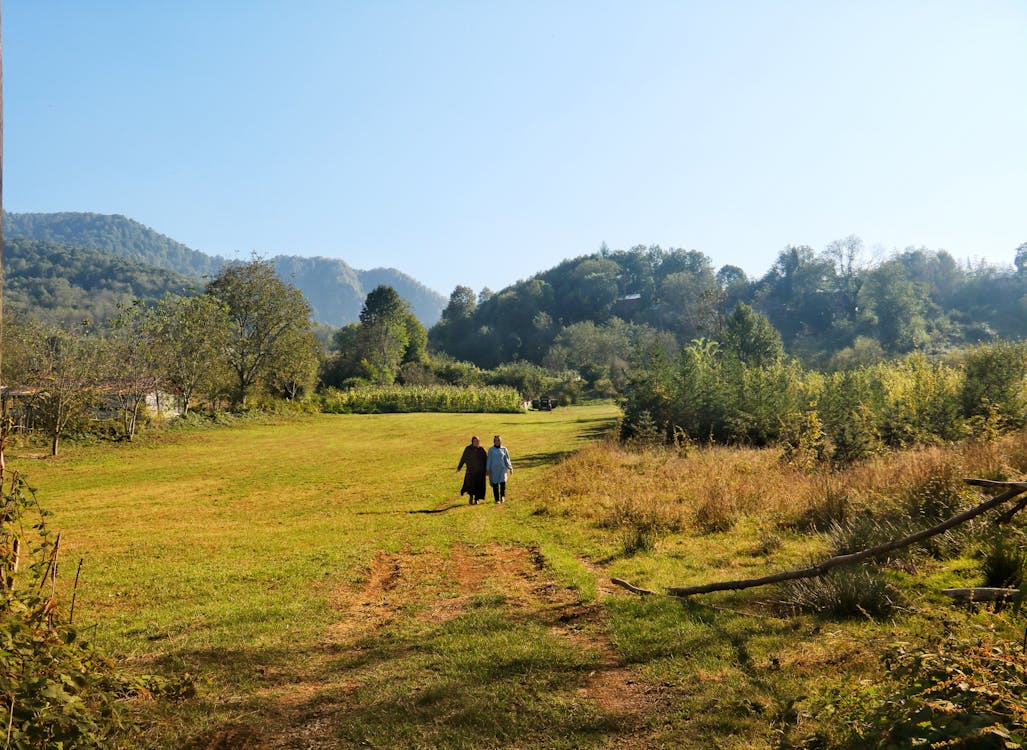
(403,592)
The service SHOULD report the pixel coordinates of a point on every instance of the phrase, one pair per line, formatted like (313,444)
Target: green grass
(230,553)
(327,587)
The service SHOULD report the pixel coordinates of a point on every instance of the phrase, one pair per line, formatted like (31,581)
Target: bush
(953,694)
(843,592)
(995,384)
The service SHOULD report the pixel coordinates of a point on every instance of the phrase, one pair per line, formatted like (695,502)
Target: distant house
(18,405)
(20,402)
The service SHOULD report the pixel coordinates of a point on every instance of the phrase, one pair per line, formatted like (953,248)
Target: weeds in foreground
(967,693)
(58,691)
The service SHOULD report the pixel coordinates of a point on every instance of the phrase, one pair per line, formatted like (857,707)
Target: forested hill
(830,307)
(335,291)
(65,285)
(116,235)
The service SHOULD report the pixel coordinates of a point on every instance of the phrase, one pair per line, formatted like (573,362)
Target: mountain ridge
(335,290)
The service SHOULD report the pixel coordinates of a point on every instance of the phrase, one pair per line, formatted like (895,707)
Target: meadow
(324,586)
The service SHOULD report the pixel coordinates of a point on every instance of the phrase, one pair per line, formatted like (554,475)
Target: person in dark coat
(474,478)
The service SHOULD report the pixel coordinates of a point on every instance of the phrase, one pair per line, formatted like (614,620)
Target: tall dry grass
(709,490)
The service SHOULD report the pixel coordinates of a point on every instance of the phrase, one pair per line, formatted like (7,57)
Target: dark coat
(474,477)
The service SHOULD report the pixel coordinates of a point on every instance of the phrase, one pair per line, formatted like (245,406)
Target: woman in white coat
(497,467)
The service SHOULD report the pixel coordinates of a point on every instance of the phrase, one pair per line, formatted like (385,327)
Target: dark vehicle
(544,404)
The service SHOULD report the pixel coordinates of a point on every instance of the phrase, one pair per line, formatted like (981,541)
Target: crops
(422,398)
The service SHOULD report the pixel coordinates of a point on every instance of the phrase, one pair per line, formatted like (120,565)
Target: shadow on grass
(464,683)
(439,510)
(534,460)
(595,429)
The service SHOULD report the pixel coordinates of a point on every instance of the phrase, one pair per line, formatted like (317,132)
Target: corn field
(422,398)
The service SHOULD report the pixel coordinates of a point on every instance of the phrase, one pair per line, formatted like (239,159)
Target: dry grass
(712,489)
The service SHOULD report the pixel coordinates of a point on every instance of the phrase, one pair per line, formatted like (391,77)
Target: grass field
(327,587)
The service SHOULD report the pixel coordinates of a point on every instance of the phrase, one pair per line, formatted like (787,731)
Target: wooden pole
(3,401)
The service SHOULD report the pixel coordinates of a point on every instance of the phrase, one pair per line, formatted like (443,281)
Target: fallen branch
(1013,489)
(633,589)
(981,594)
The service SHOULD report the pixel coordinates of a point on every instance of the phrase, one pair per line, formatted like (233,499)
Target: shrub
(951,694)
(995,383)
(843,592)
(641,430)
(921,401)
(1004,564)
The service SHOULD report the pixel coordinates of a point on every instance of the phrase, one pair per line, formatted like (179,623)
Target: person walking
(474,459)
(497,467)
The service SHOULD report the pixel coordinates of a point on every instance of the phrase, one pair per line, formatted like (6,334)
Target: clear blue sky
(479,142)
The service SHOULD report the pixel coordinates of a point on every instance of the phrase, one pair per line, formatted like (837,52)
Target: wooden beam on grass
(1012,489)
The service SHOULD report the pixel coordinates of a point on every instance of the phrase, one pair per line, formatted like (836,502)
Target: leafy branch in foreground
(55,690)
(953,693)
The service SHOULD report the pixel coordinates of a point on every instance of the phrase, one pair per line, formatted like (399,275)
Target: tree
(131,368)
(383,336)
(453,332)
(266,317)
(848,258)
(189,338)
(893,306)
(294,372)
(344,363)
(750,337)
(62,367)
(797,294)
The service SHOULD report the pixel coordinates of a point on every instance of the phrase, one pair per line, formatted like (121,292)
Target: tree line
(834,309)
(824,344)
(246,332)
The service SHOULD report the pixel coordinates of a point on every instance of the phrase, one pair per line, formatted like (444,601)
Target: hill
(335,291)
(63,284)
(113,234)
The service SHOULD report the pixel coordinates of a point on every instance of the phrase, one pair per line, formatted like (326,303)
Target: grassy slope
(330,589)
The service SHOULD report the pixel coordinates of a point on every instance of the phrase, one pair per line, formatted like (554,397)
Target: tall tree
(383,336)
(189,338)
(265,315)
(893,305)
(751,338)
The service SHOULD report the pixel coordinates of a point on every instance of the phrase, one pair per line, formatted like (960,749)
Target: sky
(478,142)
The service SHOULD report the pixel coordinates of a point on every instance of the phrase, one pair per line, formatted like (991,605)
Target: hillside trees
(268,322)
(454,330)
(893,307)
